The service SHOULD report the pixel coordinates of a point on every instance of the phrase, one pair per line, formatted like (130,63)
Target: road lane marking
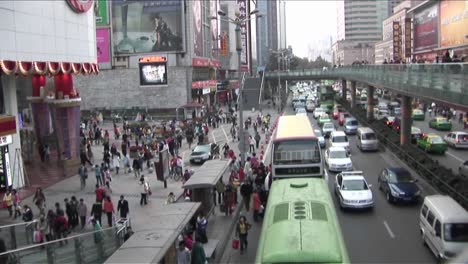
(455,157)
(213,136)
(225,135)
(389,230)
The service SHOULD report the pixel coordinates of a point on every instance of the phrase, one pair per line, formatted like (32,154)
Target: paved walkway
(126,184)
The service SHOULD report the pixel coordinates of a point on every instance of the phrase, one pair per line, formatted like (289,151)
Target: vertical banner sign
(408,42)
(396,41)
(100,12)
(102,45)
(224,44)
(197,26)
(214,28)
(244,35)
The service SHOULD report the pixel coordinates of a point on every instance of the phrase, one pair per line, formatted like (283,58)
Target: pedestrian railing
(18,235)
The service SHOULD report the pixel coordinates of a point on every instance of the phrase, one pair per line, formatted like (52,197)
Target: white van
(444,226)
(366,139)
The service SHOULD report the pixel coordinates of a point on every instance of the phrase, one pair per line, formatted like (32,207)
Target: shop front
(6,175)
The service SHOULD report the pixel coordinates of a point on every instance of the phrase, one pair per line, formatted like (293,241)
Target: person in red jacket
(257,204)
(100,193)
(108,207)
(61,226)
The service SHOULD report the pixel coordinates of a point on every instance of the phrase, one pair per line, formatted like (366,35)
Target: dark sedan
(398,185)
(201,153)
(388,120)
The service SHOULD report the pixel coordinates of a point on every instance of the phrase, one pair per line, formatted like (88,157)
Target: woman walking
(242,230)
(109,210)
(39,200)
(8,201)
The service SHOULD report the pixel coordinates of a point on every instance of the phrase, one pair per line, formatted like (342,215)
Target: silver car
(327,128)
(320,137)
(457,139)
(350,125)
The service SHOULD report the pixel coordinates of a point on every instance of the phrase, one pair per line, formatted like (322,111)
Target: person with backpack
(61,226)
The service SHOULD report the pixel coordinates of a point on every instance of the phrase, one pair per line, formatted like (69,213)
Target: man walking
(97,171)
(83,172)
(82,212)
(122,207)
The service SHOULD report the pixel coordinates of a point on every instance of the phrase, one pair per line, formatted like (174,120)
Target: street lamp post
(238,21)
(280,54)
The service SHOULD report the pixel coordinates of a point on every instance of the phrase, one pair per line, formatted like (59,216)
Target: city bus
(300,225)
(327,97)
(296,151)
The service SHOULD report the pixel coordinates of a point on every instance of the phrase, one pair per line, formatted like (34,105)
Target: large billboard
(100,11)
(102,45)
(214,7)
(453,23)
(425,28)
(147,26)
(197,28)
(244,11)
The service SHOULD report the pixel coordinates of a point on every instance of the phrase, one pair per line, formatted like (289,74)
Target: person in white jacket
(116,162)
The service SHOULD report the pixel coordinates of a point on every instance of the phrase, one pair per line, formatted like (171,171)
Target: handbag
(235,243)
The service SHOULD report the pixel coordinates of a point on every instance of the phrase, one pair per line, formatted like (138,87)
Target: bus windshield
(296,152)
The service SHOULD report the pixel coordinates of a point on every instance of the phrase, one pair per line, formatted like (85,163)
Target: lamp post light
(280,54)
(238,21)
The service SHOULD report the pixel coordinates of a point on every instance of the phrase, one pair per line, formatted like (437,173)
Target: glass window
(401,176)
(338,154)
(430,218)
(368,136)
(340,139)
(437,228)
(457,232)
(354,185)
(296,152)
(424,210)
(436,140)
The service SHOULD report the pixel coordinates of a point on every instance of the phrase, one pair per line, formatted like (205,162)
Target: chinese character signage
(453,23)
(407,37)
(214,6)
(147,26)
(224,44)
(244,11)
(102,45)
(100,12)
(396,41)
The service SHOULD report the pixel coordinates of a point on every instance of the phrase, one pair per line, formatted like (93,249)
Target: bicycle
(176,173)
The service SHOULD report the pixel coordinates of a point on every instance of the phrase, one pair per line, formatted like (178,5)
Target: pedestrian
(96,211)
(220,186)
(257,204)
(122,207)
(100,193)
(50,235)
(98,236)
(68,210)
(242,231)
(170,198)
(82,213)
(39,199)
(83,172)
(145,190)
(61,226)
(202,225)
(183,254)
(16,203)
(41,228)
(27,214)
(8,201)
(460,118)
(198,252)
(107,190)
(97,171)
(136,168)
(257,139)
(116,162)
(246,190)
(109,210)
(74,220)
(248,169)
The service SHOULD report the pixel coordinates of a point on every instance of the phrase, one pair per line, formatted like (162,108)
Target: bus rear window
(296,152)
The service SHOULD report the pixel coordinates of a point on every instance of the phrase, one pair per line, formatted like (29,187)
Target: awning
(208,174)
(27,68)
(192,105)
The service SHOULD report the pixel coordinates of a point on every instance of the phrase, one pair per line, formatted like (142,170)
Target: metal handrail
(261,91)
(241,88)
(19,224)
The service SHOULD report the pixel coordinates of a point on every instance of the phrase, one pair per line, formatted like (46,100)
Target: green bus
(327,97)
(300,224)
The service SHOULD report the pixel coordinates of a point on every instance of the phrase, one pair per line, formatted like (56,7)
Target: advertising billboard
(147,26)
(153,70)
(244,10)
(102,45)
(101,13)
(453,23)
(214,7)
(425,28)
(197,28)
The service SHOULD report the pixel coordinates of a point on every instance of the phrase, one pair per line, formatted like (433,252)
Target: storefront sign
(206,90)
(200,62)
(216,63)
(6,140)
(244,10)
(147,26)
(453,23)
(102,43)
(203,84)
(7,125)
(396,40)
(101,13)
(425,28)
(407,37)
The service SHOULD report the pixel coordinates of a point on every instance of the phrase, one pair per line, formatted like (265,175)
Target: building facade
(46,45)
(267,34)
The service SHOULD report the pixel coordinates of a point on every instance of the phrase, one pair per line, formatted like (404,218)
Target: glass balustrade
(18,235)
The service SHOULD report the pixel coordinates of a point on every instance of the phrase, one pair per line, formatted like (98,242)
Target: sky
(308,21)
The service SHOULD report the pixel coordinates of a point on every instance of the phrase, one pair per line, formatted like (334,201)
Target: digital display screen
(153,73)
(297,171)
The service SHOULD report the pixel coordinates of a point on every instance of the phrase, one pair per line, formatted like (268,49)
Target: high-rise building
(282,24)
(267,36)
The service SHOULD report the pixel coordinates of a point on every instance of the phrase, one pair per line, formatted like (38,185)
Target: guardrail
(407,155)
(261,92)
(18,235)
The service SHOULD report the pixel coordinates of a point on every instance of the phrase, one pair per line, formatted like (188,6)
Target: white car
(337,159)
(310,106)
(327,128)
(320,137)
(301,110)
(339,139)
(318,112)
(353,191)
(457,139)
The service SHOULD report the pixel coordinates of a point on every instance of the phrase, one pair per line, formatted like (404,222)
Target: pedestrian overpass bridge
(444,83)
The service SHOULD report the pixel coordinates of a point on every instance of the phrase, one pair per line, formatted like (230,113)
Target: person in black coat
(96,211)
(122,207)
(246,191)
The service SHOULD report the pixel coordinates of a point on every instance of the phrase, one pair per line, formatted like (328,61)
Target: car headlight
(394,192)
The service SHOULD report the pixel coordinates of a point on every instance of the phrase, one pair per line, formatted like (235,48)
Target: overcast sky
(309,20)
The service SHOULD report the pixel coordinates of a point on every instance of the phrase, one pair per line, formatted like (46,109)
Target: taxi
(432,143)
(440,123)
(418,115)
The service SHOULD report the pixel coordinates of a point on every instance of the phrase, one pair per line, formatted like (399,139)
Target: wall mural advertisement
(147,26)
(425,28)
(214,7)
(244,10)
(102,45)
(100,12)
(197,28)
(453,23)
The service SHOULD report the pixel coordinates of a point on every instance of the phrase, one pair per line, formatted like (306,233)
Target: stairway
(251,93)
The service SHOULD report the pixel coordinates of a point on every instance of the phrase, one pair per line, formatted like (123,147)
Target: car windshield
(340,139)
(436,140)
(442,120)
(318,110)
(296,152)
(456,232)
(400,177)
(368,136)
(202,148)
(338,154)
(354,185)
(415,130)
(417,112)
(328,126)
(324,116)
(352,123)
